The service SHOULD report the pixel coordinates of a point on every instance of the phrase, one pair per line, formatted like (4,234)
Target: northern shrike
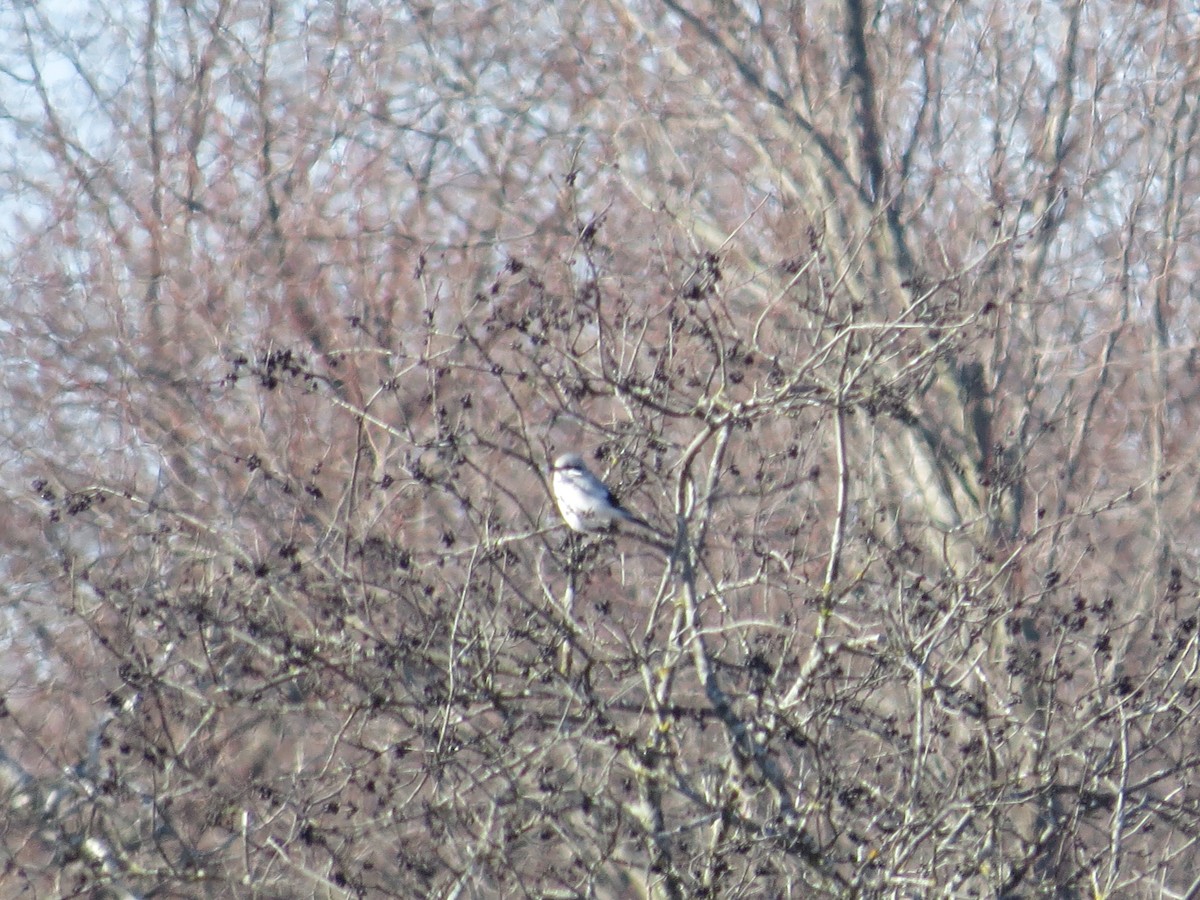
(585,502)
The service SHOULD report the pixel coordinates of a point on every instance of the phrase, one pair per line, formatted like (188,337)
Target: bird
(584,501)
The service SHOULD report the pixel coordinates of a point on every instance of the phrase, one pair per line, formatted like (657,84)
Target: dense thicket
(881,314)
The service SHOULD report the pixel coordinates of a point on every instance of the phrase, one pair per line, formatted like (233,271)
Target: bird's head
(569,462)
